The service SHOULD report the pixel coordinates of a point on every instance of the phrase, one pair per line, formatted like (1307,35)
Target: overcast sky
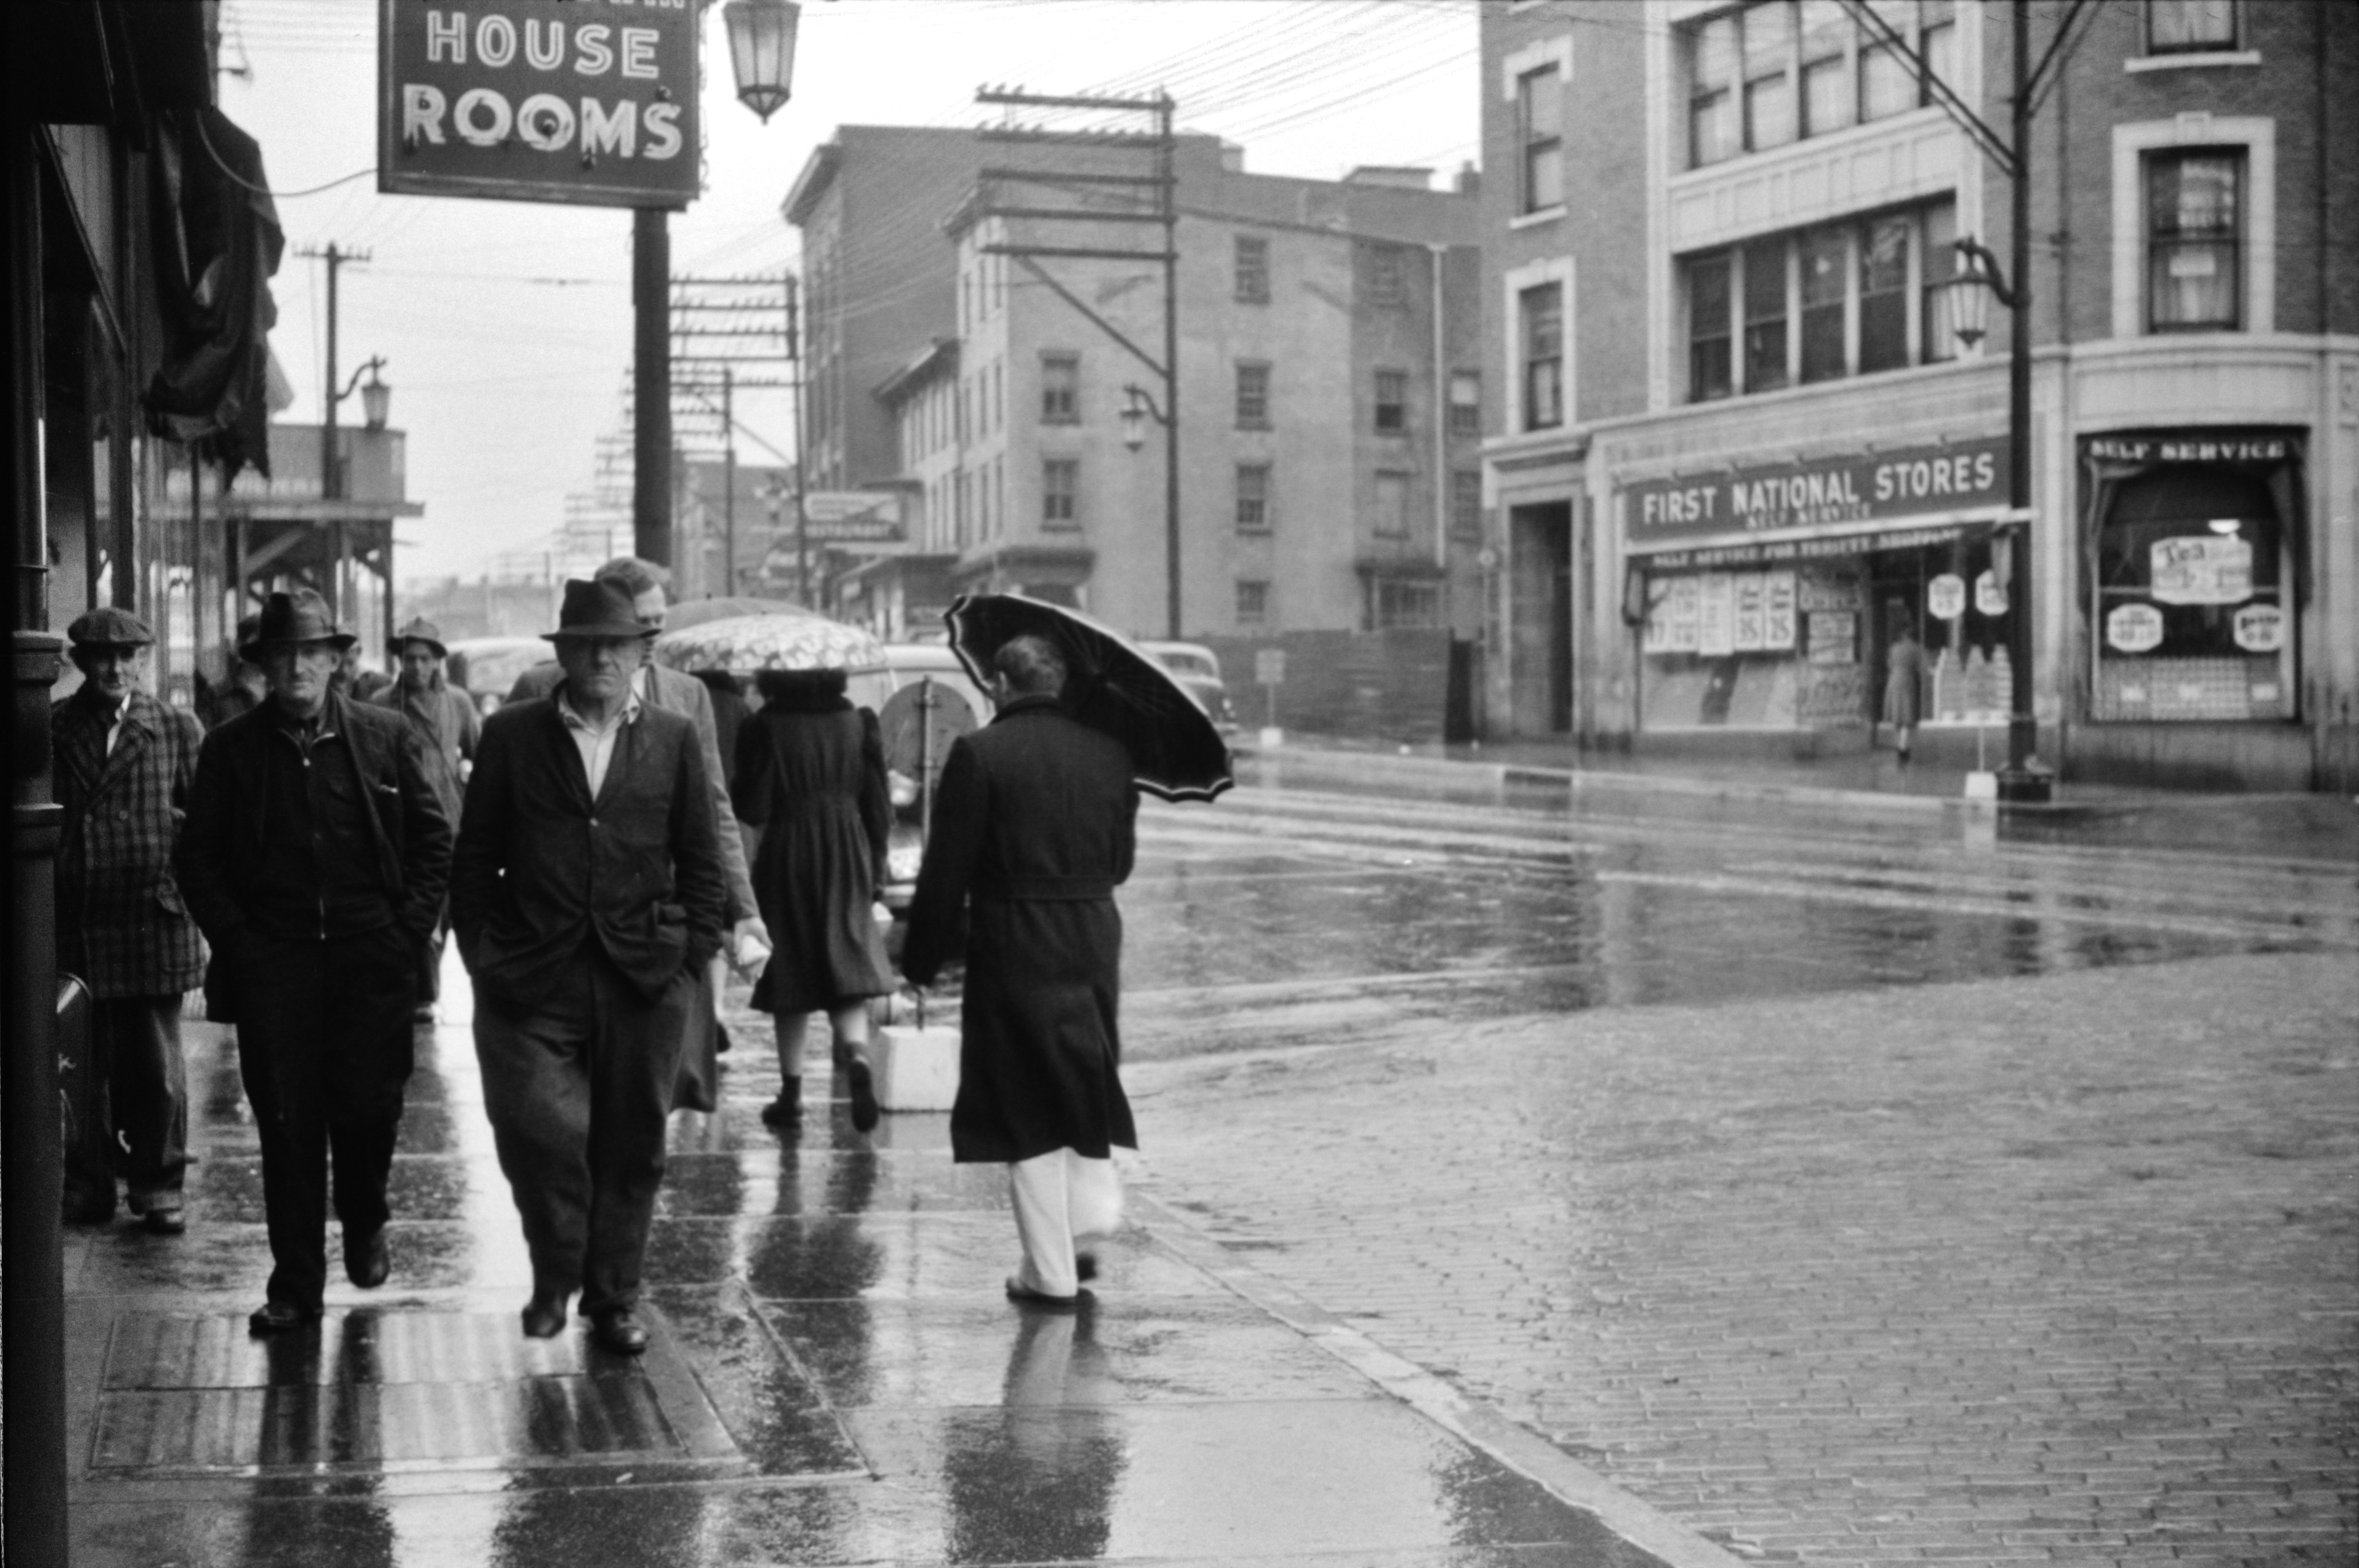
(506,326)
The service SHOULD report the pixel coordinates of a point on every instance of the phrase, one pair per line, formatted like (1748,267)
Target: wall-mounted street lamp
(377,398)
(762,51)
(1973,288)
(1136,413)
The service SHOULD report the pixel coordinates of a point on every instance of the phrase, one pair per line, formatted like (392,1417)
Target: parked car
(1198,668)
(872,686)
(485,668)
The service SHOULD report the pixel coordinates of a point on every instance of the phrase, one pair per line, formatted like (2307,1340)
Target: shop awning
(1821,544)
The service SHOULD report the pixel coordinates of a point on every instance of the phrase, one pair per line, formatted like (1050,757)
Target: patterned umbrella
(743,644)
(1110,684)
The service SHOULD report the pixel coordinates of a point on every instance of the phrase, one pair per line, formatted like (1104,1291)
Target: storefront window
(2192,617)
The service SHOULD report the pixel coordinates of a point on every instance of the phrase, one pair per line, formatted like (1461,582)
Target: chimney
(1233,159)
(1470,179)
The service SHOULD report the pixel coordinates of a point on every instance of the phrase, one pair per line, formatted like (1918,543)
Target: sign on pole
(590,102)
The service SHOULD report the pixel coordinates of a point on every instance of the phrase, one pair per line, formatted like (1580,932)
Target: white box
(917,1069)
(1982,786)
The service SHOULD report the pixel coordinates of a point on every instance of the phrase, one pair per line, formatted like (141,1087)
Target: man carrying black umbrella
(1034,827)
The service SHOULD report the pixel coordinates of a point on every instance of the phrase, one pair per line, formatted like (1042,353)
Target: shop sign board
(2260,627)
(1945,597)
(2202,569)
(1777,595)
(1764,552)
(1990,597)
(2188,450)
(1958,476)
(590,102)
(1716,614)
(2134,627)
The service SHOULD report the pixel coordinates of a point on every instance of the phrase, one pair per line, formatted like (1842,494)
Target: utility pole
(727,328)
(1165,211)
(651,386)
(801,383)
(331,487)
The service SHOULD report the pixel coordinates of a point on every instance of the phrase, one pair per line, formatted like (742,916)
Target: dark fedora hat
(600,608)
(298,616)
(421,629)
(107,627)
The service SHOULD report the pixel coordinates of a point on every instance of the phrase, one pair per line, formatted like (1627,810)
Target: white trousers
(1060,1195)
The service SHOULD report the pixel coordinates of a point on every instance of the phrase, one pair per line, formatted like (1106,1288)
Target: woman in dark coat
(810,775)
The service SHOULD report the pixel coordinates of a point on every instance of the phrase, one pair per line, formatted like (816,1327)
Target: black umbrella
(1110,684)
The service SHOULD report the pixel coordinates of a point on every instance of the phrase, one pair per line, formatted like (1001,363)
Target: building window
(1543,310)
(2193,222)
(1253,602)
(1060,389)
(1761,76)
(1465,503)
(1061,487)
(1405,604)
(1252,396)
(1765,316)
(1391,520)
(1385,284)
(1708,328)
(1848,299)
(1392,402)
(1465,403)
(1253,498)
(1540,128)
(2190,26)
(1253,270)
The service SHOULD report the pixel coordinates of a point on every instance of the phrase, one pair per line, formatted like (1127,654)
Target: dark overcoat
(221,853)
(542,868)
(1034,826)
(812,778)
(121,926)
(447,722)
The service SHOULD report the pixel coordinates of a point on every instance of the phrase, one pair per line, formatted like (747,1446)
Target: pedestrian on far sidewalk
(125,763)
(315,857)
(811,777)
(587,895)
(449,727)
(1906,670)
(1034,826)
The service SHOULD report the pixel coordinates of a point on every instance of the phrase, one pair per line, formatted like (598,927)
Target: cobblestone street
(2056,1267)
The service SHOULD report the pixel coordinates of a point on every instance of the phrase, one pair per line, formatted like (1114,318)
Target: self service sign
(583,100)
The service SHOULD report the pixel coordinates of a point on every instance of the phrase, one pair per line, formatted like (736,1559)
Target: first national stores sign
(582,101)
(1917,481)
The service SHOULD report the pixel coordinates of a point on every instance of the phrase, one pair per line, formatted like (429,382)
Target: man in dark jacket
(587,895)
(1034,827)
(125,762)
(448,727)
(315,857)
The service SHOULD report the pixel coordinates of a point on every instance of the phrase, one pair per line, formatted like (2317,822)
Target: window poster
(1716,614)
(1834,636)
(2134,627)
(1778,611)
(2260,628)
(1945,597)
(2202,569)
(1748,594)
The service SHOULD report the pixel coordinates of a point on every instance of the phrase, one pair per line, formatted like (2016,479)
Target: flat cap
(421,629)
(108,627)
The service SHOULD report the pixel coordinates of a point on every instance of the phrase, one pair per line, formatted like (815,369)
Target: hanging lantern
(376,400)
(762,51)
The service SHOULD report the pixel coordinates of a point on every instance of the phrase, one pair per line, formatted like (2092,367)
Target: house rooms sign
(1958,476)
(583,100)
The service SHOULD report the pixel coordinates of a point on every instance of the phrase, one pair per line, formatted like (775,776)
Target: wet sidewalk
(834,1377)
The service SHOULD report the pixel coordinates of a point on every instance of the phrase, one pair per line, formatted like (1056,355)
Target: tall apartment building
(1330,401)
(1742,441)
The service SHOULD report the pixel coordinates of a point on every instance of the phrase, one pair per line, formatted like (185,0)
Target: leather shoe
(366,1262)
(619,1331)
(544,1317)
(862,1081)
(280,1318)
(173,1221)
(784,1113)
(1023,1295)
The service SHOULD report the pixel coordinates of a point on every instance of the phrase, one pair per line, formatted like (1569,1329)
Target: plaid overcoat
(121,924)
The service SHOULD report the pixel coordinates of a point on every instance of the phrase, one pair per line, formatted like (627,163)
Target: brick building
(1329,413)
(1743,442)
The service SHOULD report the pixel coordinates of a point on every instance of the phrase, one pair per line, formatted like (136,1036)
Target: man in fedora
(123,765)
(315,857)
(447,724)
(588,895)
(644,582)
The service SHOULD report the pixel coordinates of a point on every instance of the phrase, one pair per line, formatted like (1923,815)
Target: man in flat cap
(125,763)
(316,857)
(588,896)
(448,725)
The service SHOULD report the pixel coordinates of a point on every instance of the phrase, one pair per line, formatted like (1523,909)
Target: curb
(1480,1425)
